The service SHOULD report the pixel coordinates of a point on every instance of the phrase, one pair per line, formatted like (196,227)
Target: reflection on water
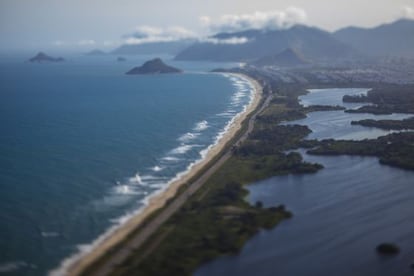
(337,124)
(340,215)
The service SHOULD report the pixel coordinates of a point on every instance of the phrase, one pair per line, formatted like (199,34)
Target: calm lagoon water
(341,213)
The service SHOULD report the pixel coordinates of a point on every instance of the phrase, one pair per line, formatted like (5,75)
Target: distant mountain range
(287,58)
(172,48)
(313,43)
(393,39)
(295,46)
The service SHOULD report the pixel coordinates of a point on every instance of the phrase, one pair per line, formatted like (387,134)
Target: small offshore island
(42,57)
(154,66)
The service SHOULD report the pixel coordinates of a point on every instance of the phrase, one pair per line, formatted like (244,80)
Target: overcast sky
(106,23)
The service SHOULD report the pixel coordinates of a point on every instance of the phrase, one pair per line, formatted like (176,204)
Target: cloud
(86,42)
(408,12)
(58,43)
(258,20)
(232,40)
(108,43)
(148,34)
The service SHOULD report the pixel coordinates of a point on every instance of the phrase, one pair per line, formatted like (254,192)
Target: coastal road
(119,256)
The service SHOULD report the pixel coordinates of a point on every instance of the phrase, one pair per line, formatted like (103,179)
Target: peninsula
(42,57)
(154,66)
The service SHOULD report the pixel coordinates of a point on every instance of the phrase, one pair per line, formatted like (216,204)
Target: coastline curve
(89,254)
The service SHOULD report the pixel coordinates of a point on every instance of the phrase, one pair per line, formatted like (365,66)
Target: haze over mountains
(309,44)
(313,43)
(287,58)
(394,39)
(170,47)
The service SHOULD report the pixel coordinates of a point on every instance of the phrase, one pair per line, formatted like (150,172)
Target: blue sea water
(83,145)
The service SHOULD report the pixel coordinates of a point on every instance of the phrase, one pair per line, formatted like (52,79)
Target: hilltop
(42,57)
(154,66)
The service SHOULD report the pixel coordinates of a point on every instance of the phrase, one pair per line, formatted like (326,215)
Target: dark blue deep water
(82,146)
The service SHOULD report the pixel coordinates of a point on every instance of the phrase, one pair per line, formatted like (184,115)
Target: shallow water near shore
(341,213)
(337,124)
(83,146)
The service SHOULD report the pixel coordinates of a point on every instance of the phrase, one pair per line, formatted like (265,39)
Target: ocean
(83,146)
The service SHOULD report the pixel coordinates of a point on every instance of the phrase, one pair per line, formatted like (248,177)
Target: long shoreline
(78,264)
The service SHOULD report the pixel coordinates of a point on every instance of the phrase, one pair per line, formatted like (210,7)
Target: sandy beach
(78,264)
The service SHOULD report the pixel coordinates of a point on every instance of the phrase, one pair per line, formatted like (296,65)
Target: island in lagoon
(154,66)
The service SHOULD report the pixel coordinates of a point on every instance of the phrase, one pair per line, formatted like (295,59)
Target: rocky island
(154,66)
(42,57)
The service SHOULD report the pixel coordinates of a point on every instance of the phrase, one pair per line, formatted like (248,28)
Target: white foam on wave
(14,266)
(149,178)
(203,153)
(131,187)
(157,168)
(225,114)
(126,190)
(182,149)
(158,185)
(170,159)
(239,85)
(85,249)
(239,79)
(136,179)
(200,126)
(233,79)
(188,137)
